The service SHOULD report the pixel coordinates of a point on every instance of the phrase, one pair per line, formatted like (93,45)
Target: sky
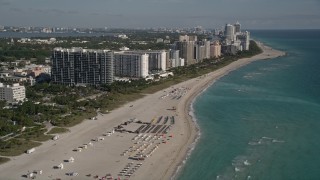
(252,14)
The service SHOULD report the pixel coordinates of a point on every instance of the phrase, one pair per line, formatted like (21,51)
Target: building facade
(157,60)
(203,50)
(244,39)
(82,66)
(129,64)
(235,40)
(192,50)
(187,51)
(14,93)
(175,60)
(215,50)
(229,33)
(237,27)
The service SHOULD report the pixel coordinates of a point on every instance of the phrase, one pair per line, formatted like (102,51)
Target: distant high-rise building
(235,40)
(130,64)
(187,48)
(244,39)
(229,49)
(207,49)
(229,33)
(187,51)
(193,38)
(202,50)
(215,50)
(82,66)
(157,59)
(168,60)
(237,27)
(192,50)
(175,59)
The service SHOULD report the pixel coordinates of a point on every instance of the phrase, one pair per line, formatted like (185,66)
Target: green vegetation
(21,141)
(16,147)
(35,134)
(58,130)
(254,49)
(9,52)
(141,40)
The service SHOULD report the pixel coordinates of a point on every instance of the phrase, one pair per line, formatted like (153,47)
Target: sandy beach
(146,154)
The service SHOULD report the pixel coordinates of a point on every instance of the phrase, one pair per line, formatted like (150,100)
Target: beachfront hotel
(174,59)
(131,64)
(186,51)
(157,59)
(215,50)
(237,27)
(140,63)
(78,66)
(202,50)
(192,50)
(229,33)
(244,38)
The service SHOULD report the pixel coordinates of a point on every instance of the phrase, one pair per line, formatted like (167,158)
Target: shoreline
(265,55)
(104,157)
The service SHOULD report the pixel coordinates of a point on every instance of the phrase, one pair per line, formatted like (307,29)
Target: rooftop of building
(79,49)
(10,86)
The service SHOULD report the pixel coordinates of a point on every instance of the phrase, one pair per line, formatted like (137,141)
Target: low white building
(122,36)
(14,93)
(124,48)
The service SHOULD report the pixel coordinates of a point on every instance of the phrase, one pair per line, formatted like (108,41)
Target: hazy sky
(252,14)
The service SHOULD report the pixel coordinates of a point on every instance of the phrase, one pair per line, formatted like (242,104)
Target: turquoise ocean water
(262,121)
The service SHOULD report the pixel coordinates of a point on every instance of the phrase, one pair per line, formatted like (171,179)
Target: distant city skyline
(258,14)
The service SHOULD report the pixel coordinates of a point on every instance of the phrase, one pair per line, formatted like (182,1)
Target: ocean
(262,121)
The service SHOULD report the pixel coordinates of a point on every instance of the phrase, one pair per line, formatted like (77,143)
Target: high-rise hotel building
(235,39)
(174,59)
(215,51)
(237,28)
(192,50)
(186,51)
(187,48)
(157,60)
(244,39)
(139,63)
(131,64)
(82,66)
(229,33)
